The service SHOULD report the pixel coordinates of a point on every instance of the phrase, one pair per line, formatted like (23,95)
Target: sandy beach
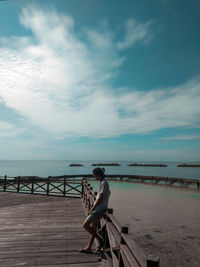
(163,221)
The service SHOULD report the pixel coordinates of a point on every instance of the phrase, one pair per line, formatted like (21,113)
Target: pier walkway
(43,231)
(41,225)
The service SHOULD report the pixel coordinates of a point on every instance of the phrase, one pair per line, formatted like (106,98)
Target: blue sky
(104,80)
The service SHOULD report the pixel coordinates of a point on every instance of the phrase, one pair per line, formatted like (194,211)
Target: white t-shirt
(105,191)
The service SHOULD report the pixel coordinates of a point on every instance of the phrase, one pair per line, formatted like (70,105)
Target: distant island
(105,164)
(188,165)
(147,165)
(75,165)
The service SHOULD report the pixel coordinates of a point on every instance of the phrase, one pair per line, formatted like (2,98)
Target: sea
(45,168)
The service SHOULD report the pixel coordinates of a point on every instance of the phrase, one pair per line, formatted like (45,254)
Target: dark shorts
(95,216)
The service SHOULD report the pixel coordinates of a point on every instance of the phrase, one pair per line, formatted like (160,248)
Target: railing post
(82,190)
(32,186)
(91,199)
(181,183)
(48,185)
(124,229)
(85,196)
(18,184)
(153,261)
(5,182)
(88,196)
(110,211)
(64,190)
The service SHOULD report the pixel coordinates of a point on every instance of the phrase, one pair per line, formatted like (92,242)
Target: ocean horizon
(46,168)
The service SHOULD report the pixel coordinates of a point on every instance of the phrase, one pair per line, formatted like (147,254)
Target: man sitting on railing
(96,211)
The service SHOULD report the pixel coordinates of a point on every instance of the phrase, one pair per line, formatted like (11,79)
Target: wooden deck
(42,231)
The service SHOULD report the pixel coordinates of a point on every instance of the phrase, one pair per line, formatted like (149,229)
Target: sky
(100,80)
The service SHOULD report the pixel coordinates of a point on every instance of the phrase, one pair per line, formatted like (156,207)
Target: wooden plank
(113,234)
(138,254)
(40,231)
(40,261)
(109,259)
(115,222)
(115,260)
(128,259)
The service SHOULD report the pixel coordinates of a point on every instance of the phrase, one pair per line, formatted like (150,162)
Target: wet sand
(163,221)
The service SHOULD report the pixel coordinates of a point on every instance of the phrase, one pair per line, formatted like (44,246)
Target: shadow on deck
(42,231)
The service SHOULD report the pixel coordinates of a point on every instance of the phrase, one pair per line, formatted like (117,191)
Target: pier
(41,222)
(41,225)
(37,230)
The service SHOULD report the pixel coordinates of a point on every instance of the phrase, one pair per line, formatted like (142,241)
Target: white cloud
(61,83)
(10,130)
(183,137)
(135,32)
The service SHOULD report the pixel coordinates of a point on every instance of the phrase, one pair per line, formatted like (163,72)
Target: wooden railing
(119,250)
(48,184)
(51,186)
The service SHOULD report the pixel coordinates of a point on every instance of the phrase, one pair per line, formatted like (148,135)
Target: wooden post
(5,182)
(153,261)
(32,186)
(88,197)
(181,182)
(124,230)
(82,190)
(91,197)
(86,192)
(64,189)
(48,185)
(110,211)
(18,184)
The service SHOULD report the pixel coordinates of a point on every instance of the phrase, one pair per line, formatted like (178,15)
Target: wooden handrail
(119,249)
(49,186)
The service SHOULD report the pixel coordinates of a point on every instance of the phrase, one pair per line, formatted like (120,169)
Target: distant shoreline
(187,165)
(105,164)
(136,164)
(147,165)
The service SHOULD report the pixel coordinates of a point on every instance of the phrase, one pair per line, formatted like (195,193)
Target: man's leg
(91,239)
(92,232)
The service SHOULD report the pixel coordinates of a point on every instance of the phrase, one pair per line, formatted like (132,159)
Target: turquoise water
(132,188)
(61,167)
